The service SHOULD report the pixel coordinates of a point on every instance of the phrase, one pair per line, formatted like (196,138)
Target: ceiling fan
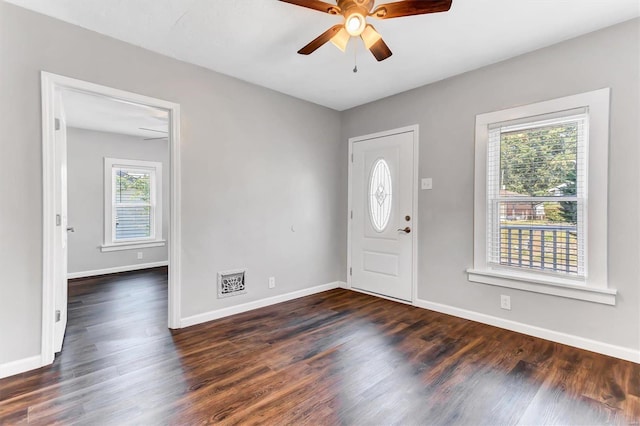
(355,24)
(154,130)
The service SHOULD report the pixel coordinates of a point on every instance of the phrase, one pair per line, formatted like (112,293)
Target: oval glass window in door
(380,194)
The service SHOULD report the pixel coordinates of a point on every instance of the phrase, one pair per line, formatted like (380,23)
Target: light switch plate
(427,183)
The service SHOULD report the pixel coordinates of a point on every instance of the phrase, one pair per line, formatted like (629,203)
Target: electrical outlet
(140,255)
(505,302)
(272,282)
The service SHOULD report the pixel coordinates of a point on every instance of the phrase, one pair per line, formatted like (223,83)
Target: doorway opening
(132,204)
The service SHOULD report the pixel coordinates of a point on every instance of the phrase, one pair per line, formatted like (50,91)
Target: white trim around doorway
(50,83)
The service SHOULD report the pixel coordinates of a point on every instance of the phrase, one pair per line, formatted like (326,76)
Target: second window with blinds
(540,210)
(133,204)
(536,193)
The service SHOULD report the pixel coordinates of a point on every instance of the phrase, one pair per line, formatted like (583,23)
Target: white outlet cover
(505,302)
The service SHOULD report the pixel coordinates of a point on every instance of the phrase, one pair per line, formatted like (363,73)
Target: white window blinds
(133,207)
(536,193)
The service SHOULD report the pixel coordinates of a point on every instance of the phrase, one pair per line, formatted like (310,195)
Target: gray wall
(86,150)
(446,114)
(254,163)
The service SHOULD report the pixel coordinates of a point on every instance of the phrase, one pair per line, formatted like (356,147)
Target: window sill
(132,245)
(545,285)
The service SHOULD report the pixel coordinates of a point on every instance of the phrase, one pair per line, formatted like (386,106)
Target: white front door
(61,248)
(382,225)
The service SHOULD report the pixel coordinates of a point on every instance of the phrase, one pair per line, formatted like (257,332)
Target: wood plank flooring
(338,357)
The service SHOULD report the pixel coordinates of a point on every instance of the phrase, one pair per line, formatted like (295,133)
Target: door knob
(71,229)
(405,230)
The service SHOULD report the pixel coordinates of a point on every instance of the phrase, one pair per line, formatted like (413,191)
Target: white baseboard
(114,270)
(232,310)
(20,366)
(542,333)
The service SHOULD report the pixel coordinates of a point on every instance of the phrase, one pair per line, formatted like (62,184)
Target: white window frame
(593,286)
(155,188)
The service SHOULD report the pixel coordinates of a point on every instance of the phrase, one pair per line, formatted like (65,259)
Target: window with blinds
(133,210)
(536,192)
(132,204)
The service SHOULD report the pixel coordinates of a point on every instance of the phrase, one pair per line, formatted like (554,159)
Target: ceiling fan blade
(380,50)
(320,40)
(331,9)
(410,7)
(152,130)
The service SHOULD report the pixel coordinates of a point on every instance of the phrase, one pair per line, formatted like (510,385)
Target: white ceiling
(257,40)
(87,111)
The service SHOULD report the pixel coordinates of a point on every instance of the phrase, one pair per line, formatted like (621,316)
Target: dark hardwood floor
(338,357)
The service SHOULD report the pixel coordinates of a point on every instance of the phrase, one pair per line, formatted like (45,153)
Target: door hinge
(58,315)
(350,271)
(58,220)
(57,123)
(352,157)
(351,214)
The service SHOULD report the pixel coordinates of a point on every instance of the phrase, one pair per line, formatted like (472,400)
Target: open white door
(382,225)
(60,250)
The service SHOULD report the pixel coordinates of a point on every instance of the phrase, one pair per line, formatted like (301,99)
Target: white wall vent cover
(231,283)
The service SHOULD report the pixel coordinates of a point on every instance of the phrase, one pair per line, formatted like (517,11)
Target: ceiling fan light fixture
(341,39)
(354,23)
(370,36)
(355,14)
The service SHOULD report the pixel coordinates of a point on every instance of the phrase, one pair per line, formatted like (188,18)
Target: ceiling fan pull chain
(355,57)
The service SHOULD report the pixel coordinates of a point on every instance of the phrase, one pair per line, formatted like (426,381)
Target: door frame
(414,213)
(50,83)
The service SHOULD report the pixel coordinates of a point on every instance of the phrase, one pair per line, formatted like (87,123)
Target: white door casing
(382,203)
(52,239)
(61,249)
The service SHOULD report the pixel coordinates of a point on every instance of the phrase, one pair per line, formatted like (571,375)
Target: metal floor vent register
(231,283)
